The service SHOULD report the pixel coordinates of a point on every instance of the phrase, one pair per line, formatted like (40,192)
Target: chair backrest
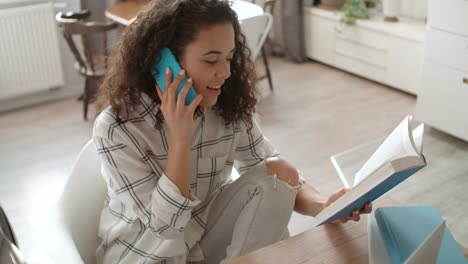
(72,23)
(256,30)
(268,5)
(9,252)
(82,202)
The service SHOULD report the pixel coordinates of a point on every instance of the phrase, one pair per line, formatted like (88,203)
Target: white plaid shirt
(145,218)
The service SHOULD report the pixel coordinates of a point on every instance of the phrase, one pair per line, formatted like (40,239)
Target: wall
(414,8)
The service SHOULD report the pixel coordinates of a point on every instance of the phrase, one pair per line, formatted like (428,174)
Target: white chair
(256,30)
(9,252)
(71,236)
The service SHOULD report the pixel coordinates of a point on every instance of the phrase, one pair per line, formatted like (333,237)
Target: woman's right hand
(178,116)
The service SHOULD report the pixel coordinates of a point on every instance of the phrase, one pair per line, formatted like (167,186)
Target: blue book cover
(403,229)
(370,191)
(374,193)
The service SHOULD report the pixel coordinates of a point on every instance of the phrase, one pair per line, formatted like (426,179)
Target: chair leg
(86,98)
(267,68)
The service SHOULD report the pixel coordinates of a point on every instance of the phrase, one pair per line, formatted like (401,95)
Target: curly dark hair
(174,24)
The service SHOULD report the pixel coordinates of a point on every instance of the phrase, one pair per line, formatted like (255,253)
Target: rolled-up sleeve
(252,147)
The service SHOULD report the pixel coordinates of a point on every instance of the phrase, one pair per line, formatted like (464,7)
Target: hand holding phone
(168,60)
(178,115)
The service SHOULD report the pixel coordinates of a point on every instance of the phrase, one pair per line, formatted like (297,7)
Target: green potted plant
(353,10)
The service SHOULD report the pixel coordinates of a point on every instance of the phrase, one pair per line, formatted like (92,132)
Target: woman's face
(207,60)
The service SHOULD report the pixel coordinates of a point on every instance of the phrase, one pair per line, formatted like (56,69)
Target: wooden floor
(314,112)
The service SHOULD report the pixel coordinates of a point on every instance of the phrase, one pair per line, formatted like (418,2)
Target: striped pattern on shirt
(145,218)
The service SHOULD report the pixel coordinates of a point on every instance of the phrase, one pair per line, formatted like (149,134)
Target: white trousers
(250,213)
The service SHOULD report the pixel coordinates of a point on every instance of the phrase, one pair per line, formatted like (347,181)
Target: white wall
(414,8)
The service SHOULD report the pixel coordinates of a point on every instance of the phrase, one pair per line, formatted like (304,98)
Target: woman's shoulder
(141,119)
(105,122)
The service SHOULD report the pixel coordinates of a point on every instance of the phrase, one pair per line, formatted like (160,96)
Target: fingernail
(167,70)
(182,72)
(189,80)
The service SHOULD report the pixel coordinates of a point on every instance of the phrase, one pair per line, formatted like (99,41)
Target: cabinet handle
(465,80)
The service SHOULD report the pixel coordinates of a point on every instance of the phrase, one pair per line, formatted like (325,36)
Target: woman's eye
(215,61)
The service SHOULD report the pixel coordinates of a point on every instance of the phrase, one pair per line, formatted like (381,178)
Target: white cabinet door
(363,52)
(442,101)
(404,65)
(319,38)
(387,53)
(448,49)
(449,15)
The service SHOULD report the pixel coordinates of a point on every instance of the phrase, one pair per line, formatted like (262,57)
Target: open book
(397,158)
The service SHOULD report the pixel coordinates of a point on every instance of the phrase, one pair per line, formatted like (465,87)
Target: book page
(398,143)
(418,136)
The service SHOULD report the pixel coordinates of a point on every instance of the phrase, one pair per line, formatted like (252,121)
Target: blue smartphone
(169,60)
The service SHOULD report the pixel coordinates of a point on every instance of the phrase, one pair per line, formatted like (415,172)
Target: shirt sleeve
(252,147)
(141,185)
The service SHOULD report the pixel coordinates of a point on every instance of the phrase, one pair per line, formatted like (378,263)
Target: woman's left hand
(356,215)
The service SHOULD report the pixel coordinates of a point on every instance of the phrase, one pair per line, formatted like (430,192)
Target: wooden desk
(332,243)
(125,12)
(340,243)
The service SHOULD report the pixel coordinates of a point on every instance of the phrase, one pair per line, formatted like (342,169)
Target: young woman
(168,165)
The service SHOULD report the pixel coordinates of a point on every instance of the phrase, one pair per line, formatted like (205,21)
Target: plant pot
(391,10)
(332,4)
(369,3)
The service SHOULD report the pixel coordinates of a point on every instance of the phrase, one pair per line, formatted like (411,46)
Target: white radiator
(29,51)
